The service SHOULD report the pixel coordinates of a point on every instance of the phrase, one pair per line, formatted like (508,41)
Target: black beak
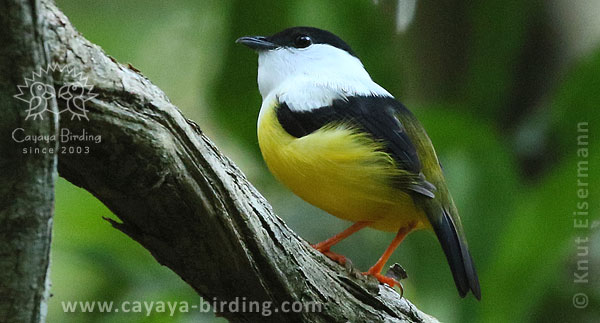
(256,42)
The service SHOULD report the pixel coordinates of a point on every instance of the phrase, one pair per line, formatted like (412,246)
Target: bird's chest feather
(337,169)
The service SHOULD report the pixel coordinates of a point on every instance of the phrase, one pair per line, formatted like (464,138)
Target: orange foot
(335,257)
(386,280)
(331,255)
(383,279)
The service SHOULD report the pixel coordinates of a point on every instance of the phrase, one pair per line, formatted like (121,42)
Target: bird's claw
(386,280)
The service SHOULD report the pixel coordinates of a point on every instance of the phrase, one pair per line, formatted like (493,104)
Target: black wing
(372,114)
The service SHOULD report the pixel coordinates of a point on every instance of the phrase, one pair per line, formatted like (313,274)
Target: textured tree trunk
(189,205)
(26,180)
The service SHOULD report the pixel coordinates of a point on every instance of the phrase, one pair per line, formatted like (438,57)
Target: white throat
(313,77)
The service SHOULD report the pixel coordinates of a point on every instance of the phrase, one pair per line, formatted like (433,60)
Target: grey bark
(26,180)
(190,206)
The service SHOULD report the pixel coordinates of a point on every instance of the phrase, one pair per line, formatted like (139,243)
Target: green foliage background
(499,85)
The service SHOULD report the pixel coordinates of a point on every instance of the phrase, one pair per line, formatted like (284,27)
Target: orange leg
(327,244)
(375,271)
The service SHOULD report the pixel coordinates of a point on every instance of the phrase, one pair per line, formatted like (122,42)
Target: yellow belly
(340,171)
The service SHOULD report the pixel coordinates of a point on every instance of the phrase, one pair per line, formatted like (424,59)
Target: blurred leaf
(577,100)
(533,246)
(497,37)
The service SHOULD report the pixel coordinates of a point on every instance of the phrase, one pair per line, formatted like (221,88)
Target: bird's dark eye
(302,41)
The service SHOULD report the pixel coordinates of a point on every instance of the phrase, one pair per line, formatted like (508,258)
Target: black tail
(457,253)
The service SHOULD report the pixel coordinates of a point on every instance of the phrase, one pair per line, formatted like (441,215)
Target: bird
(40,95)
(74,96)
(343,143)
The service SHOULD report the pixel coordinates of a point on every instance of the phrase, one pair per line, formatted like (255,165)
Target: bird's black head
(295,37)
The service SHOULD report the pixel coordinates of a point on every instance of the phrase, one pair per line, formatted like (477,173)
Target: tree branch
(190,206)
(26,180)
